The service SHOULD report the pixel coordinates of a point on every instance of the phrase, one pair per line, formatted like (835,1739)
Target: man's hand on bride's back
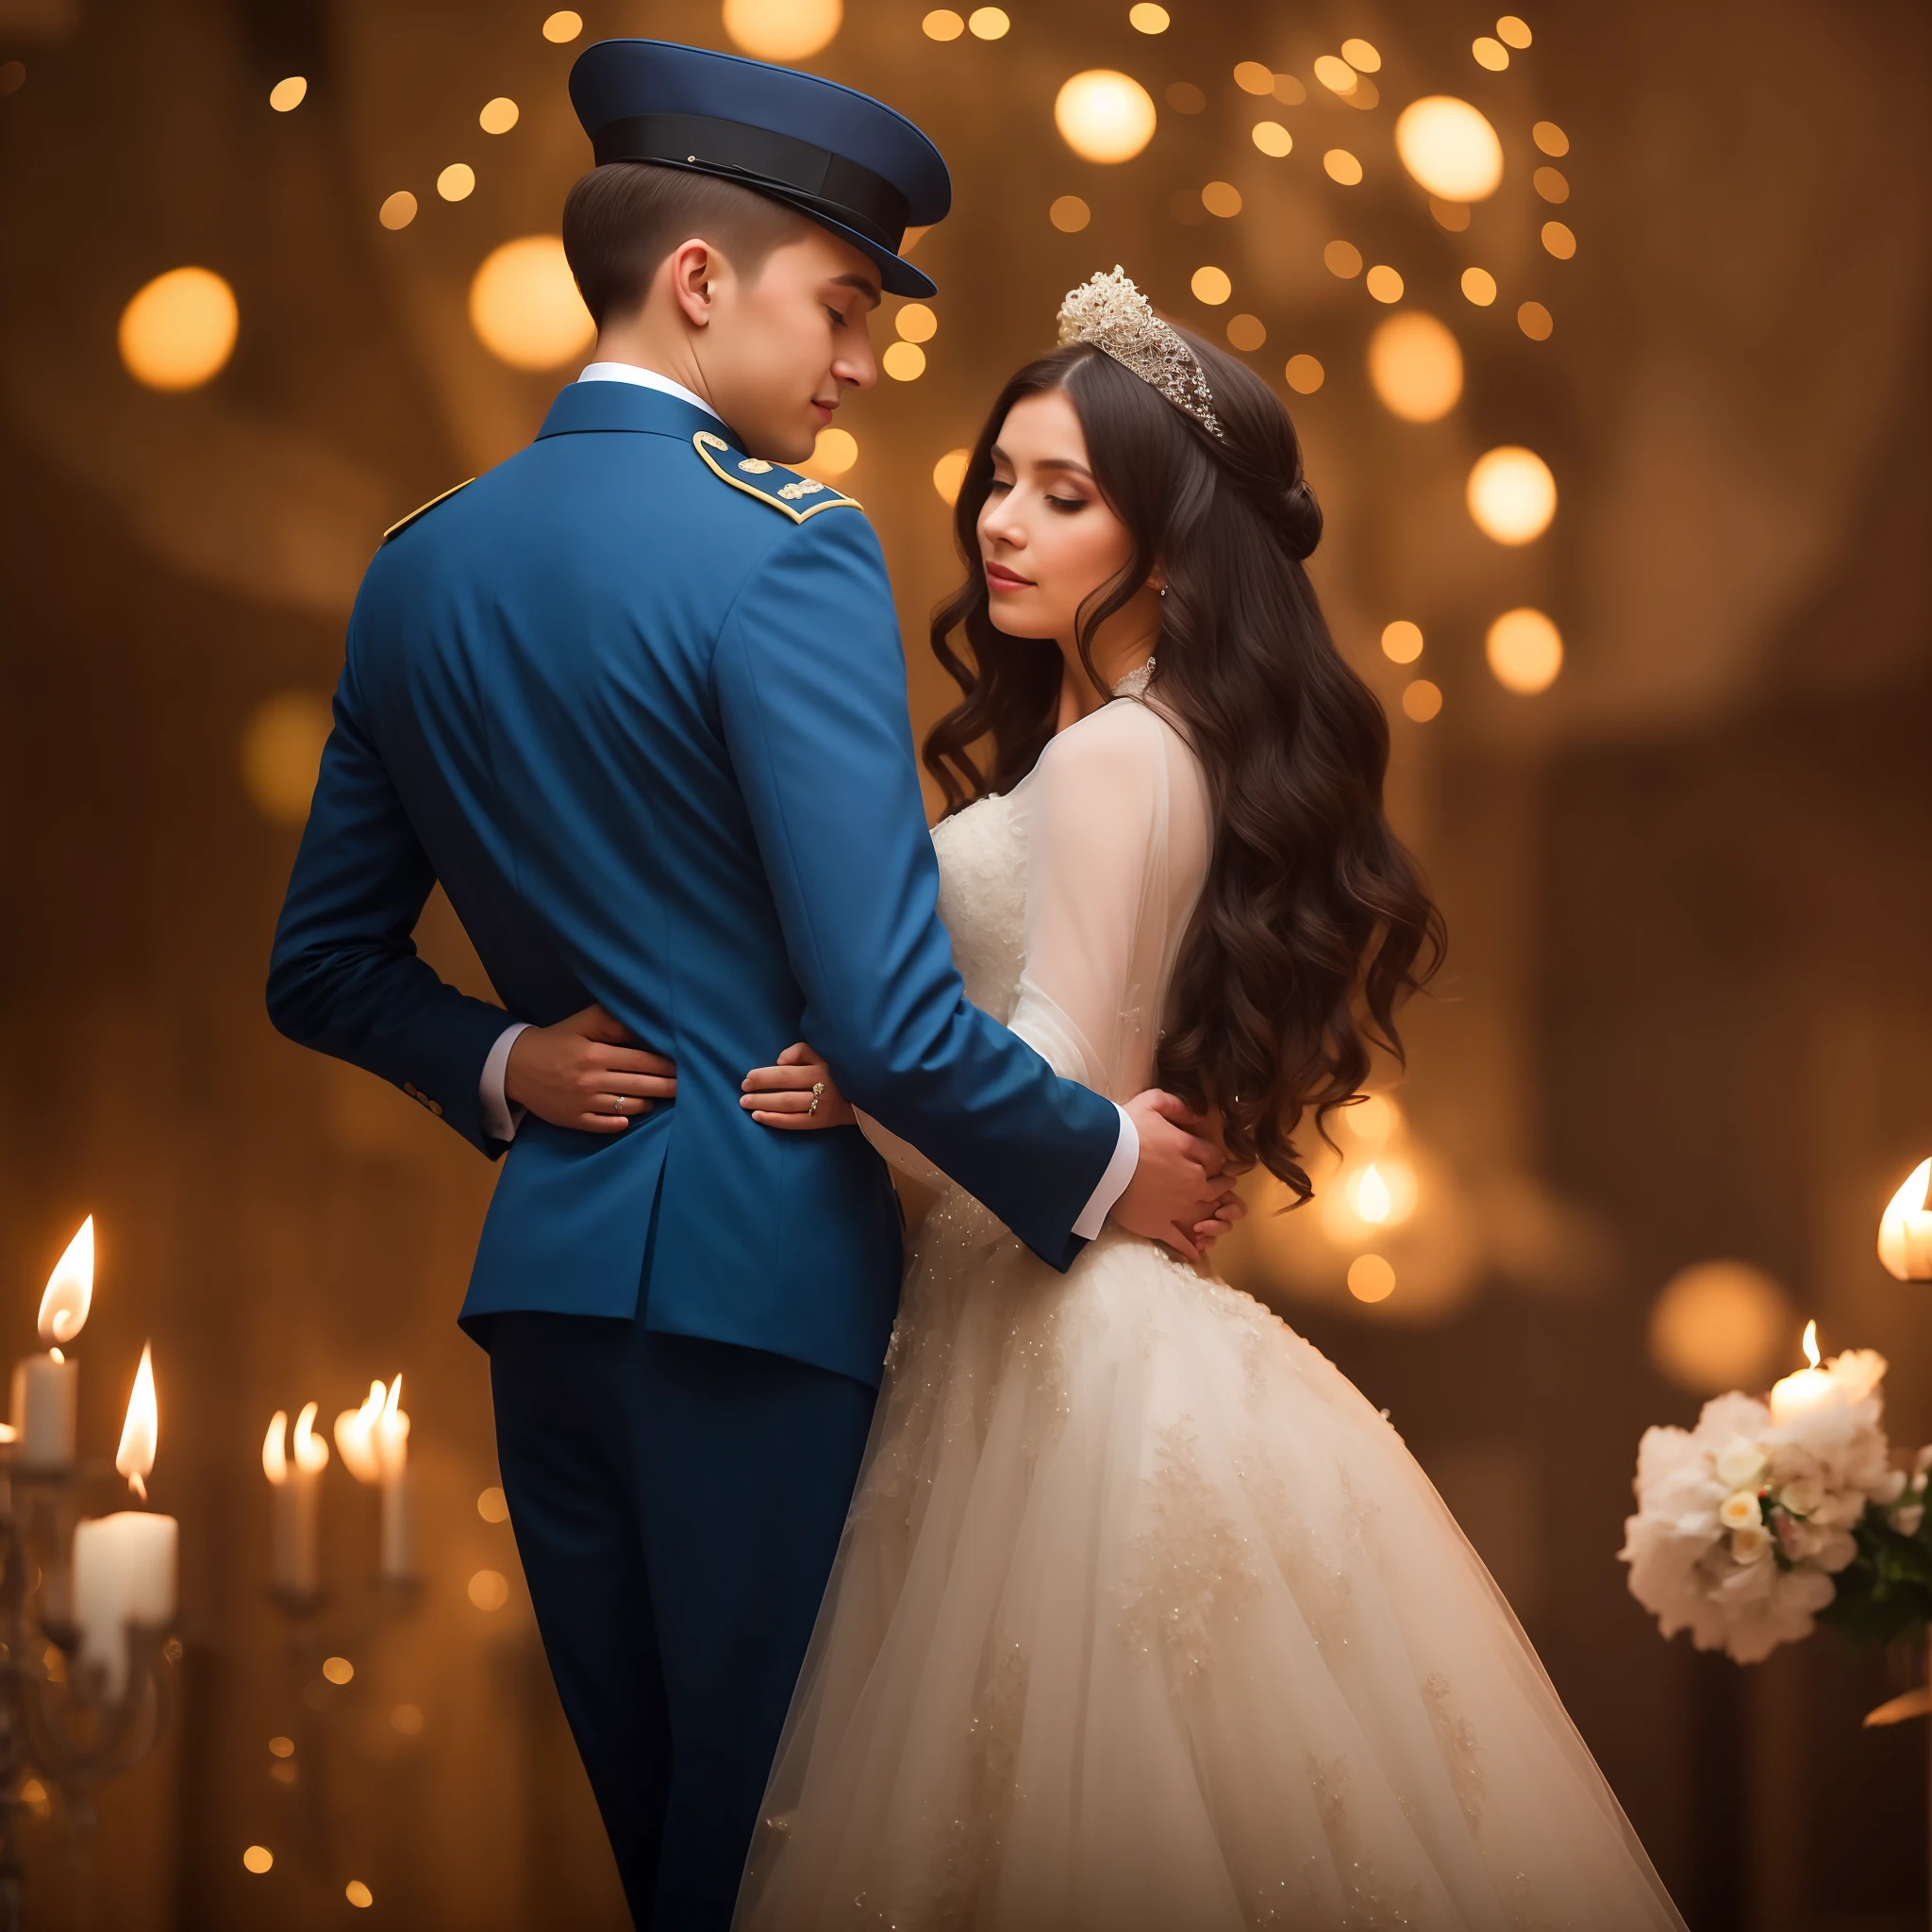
(586,1072)
(795,1095)
(1182,1192)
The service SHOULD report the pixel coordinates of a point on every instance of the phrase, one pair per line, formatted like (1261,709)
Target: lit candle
(1905,1231)
(1806,1389)
(298,1499)
(125,1564)
(393,1447)
(47,1386)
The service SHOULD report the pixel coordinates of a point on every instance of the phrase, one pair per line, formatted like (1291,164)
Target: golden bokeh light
(457,182)
(359,1894)
(1342,258)
(782,29)
(1559,240)
(1384,283)
(943,24)
(904,361)
(1184,97)
(286,95)
(833,453)
(1511,495)
(1253,77)
(1336,74)
(1370,1278)
(281,1747)
(524,306)
(916,323)
(1478,285)
(397,210)
(1146,18)
(1340,165)
(988,24)
(407,1720)
(1551,183)
(1450,215)
(1550,137)
(337,1670)
(258,1858)
(281,752)
(1246,333)
(561,28)
(1210,284)
(1401,643)
(1273,139)
(1069,214)
(1721,1325)
(949,474)
(498,116)
(1363,96)
(1374,1118)
(178,332)
(1362,56)
(1103,116)
(1421,700)
(1449,148)
(1288,91)
(1415,366)
(1524,651)
(1222,198)
(1490,53)
(1535,321)
(493,1506)
(489,1589)
(1305,375)
(1514,31)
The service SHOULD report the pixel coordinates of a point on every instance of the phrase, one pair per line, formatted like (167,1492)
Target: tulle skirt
(1145,1621)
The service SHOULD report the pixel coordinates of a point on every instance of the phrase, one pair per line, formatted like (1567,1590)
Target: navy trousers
(677,1505)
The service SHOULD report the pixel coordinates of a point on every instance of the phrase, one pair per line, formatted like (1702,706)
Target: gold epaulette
(397,528)
(785,489)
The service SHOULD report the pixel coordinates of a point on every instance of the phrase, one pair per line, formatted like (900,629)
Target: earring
(1163,589)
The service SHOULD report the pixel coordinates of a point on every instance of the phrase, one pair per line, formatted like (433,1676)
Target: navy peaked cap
(843,158)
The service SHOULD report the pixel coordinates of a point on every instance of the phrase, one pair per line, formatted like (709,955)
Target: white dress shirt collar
(646,378)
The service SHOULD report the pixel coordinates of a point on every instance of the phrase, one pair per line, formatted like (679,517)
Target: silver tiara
(1111,314)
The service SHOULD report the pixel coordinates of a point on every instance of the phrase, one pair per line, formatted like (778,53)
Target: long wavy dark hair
(1313,925)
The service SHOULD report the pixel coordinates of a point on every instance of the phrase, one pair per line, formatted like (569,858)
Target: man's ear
(693,268)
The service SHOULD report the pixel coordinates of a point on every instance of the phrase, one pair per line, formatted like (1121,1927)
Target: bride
(1144,1620)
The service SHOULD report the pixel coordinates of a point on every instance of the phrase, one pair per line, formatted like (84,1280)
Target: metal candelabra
(56,1716)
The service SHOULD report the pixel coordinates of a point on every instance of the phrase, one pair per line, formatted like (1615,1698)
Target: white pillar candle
(392,1449)
(296,1563)
(1808,1389)
(123,1573)
(46,1393)
(1904,1230)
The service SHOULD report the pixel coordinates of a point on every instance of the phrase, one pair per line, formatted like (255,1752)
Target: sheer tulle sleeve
(1116,851)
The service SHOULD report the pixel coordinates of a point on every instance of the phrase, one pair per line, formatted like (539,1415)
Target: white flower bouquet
(1771,1514)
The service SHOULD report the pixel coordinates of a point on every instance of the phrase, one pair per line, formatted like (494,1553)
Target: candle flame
(70,1289)
(135,1459)
(356,1436)
(312,1451)
(393,1432)
(1904,1229)
(1373,1200)
(274,1451)
(1812,1344)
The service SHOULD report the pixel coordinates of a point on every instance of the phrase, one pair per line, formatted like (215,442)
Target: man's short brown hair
(622,219)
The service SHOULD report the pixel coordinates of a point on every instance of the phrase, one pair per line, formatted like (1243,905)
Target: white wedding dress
(1144,1620)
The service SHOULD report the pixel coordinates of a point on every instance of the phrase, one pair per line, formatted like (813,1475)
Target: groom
(636,699)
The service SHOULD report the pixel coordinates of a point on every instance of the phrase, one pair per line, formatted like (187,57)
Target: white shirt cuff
(500,1119)
(1113,1183)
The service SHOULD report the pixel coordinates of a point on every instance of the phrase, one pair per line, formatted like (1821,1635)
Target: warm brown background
(1688,886)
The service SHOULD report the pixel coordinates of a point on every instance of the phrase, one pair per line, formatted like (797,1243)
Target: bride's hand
(798,1092)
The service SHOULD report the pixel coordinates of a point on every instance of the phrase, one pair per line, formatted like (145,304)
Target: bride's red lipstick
(998,577)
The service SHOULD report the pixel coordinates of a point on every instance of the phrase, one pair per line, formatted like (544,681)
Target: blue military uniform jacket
(639,702)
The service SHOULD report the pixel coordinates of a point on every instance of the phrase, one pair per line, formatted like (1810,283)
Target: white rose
(1741,1511)
(1739,1463)
(1801,1494)
(1750,1545)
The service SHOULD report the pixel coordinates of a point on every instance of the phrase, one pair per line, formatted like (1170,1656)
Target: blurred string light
(988,24)
(1421,700)
(1362,56)
(1490,53)
(1511,495)
(492,1505)
(1384,283)
(1246,333)
(1451,215)
(1069,214)
(1212,285)
(904,361)
(1535,321)
(563,27)
(1184,97)
(1524,651)
(489,1589)
(281,752)
(1402,641)
(457,182)
(524,306)
(1341,167)
(1103,116)
(1288,91)
(1303,375)
(1551,184)
(916,323)
(286,95)
(258,1858)
(359,1894)
(407,1718)
(1148,19)
(1719,1326)
(1336,74)
(782,29)
(1550,137)
(397,210)
(178,330)
(1415,367)
(1222,198)
(498,116)
(1254,77)
(1478,285)
(1449,148)
(943,24)
(949,474)
(1558,240)
(834,452)
(1273,139)
(1514,31)
(1342,260)
(1370,1278)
